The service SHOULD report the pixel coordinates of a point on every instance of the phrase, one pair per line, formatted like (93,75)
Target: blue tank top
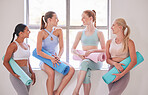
(91,40)
(50,44)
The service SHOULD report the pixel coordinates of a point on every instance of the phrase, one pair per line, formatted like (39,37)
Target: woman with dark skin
(20,52)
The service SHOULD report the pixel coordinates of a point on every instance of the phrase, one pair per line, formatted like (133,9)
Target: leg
(65,80)
(119,86)
(50,81)
(87,88)
(81,76)
(87,83)
(18,85)
(111,84)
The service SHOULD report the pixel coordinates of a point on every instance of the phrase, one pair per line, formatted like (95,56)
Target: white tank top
(116,50)
(20,53)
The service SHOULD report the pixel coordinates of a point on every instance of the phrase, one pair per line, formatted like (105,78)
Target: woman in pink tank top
(117,50)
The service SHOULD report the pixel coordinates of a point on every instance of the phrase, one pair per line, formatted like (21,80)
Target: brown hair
(91,14)
(122,22)
(49,14)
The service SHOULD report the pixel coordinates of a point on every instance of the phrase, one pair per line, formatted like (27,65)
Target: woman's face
(54,20)
(26,32)
(115,28)
(85,19)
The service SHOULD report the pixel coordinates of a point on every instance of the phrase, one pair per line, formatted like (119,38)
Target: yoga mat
(93,56)
(108,77)
(61,68)
(18,70)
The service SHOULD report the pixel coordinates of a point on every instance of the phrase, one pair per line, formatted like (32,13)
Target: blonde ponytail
(126,38)
(122,22)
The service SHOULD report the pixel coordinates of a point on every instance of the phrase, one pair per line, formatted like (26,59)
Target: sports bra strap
(16,43)
(50,33)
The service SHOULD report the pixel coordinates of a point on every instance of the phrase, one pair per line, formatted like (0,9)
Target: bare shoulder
(99,32)
(131,42)
(12,46)
(58,29)
(109,41)
(41,32)
(80,32)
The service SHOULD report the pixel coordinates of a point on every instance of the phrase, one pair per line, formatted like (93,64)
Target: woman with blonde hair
(117,49)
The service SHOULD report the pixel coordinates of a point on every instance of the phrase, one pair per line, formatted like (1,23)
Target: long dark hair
(49,14)
(19,28)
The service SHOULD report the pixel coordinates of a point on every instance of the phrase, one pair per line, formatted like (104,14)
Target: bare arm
(133,62)
(10,50)
(61,43)
(39,46)
(108,60)
(32,73)
(76,42)
(30,69)
(132,52)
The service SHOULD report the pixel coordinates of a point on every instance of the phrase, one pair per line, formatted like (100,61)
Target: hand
(119,67)
(57,57)
(33,78)
(82,56)
(87,53)
(17,76)
(54,61)
(118,76)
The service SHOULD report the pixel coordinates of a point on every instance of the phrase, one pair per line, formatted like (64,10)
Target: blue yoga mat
(18,70)
(61,68)
(108,77)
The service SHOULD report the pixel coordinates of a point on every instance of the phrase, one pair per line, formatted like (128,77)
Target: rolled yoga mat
(61,68)
(18,70)
(93,56)
(108,77)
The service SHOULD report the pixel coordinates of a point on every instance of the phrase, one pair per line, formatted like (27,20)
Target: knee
(72,70)
(87,79)
(51,74)
(84,65)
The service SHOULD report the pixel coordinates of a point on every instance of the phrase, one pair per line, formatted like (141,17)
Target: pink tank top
(116,50)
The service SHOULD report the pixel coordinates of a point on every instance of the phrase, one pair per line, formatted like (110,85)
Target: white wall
(136,14)
(11,13)
(134,11)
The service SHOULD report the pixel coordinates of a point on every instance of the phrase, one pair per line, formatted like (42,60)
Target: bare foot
(55,92)
(75,93)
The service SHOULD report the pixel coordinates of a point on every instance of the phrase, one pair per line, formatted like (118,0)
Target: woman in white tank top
(20,52)
(118,49)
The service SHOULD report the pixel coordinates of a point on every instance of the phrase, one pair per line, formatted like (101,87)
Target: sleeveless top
(21,53)
(116,50)
(91,40)
(50,44)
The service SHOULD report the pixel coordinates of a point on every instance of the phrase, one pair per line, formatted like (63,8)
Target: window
(69,14)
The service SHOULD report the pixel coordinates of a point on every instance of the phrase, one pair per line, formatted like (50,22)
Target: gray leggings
(118,87)
(18,85)
(87,65)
